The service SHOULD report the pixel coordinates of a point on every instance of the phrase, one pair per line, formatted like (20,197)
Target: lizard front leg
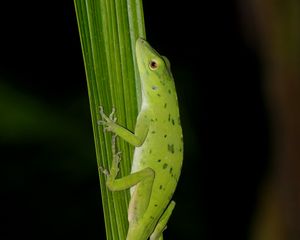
(136,139)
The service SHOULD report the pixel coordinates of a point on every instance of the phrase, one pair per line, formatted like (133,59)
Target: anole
(158,150)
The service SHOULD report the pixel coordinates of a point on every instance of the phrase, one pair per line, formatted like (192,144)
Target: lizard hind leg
(162,223)
(116,160)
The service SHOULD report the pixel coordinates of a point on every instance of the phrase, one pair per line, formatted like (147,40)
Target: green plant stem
(108,31)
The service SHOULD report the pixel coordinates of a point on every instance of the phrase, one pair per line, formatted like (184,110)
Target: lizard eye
(153,64)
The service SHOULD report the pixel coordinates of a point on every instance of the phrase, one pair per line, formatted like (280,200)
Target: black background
(49,180)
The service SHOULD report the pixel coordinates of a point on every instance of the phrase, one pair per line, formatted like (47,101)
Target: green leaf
(108,31)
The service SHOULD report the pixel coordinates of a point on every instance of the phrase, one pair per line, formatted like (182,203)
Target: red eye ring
(153,64)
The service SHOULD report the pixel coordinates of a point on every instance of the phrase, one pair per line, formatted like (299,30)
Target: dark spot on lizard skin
(171,148)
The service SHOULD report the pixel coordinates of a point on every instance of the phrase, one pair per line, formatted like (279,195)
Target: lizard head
(154,69)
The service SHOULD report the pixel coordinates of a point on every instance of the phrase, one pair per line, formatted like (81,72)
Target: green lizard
(158,151)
